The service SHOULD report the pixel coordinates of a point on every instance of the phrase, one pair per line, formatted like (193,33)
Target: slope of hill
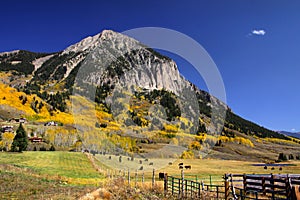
(113,84)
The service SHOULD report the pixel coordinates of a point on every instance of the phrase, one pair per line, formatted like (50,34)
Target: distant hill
(292,134)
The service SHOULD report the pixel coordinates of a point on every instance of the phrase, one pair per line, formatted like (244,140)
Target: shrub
(282,157)
(187,155)
(52,148)
(43,149)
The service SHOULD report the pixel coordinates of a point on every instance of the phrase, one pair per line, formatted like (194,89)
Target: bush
(282,157)
(52,148)
(187,155)
(43,149)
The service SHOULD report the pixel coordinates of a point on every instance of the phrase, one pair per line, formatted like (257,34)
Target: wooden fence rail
(262,186)
(236,186)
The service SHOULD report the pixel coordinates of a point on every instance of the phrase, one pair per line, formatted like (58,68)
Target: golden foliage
(7,139)
(170,128)
(239,140)
(195,145)
(187,155)
(279,141)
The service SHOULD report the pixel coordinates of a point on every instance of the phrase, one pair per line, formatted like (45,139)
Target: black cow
(151,163)
(180,164)
(180,167)
(161,176)
(188,167)
(266,167)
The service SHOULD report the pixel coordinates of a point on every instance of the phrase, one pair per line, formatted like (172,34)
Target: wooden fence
(235,186)
(184,188)
(241,186)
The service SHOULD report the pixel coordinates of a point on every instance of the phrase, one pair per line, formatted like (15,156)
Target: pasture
(74,168)
(68,173)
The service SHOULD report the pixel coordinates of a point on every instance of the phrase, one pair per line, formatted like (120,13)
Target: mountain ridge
(88,44)
(140,92)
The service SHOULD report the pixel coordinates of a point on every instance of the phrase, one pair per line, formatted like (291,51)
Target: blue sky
(260,69)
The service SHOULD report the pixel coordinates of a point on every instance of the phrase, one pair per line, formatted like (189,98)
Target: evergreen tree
(20,141)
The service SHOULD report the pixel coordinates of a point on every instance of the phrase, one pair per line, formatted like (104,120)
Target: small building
(35,139)
(18,120)
(52,123)
(6,129)
(22,120)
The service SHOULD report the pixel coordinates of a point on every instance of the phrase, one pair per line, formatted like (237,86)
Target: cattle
(188,167)
(146,159)
(161,176)
(109,157)
(180,164)
(141,162)
(180,167)
(272,168)
(151,163)
(265,167)
(280,168)
(170,163)
(141,168)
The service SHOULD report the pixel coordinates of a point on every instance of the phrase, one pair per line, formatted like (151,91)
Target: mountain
(291,134)
(114,84)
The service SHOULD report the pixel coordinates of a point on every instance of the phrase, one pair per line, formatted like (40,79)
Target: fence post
(256,195)
(242,194)
(172,185)
(245,185)
(217,188)
(153,178)
(210,181)
(232,187)
(263,182)
(166,183)
(272,186)
(199,189)
(143,178)
(186,188)
(182,184)
(135,181)
(226,183)
(128,177)
(192,188)
(288,187)
(179,187)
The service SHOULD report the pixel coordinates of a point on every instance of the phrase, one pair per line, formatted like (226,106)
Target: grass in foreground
(17,183)
(74,168)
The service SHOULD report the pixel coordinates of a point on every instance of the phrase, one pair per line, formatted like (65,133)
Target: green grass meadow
(69,175)
(72,167)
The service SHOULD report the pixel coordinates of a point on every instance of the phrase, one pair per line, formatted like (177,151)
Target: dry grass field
(65,175)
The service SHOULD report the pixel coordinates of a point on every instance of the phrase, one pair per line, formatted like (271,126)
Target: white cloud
(258,32)
(293,129)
